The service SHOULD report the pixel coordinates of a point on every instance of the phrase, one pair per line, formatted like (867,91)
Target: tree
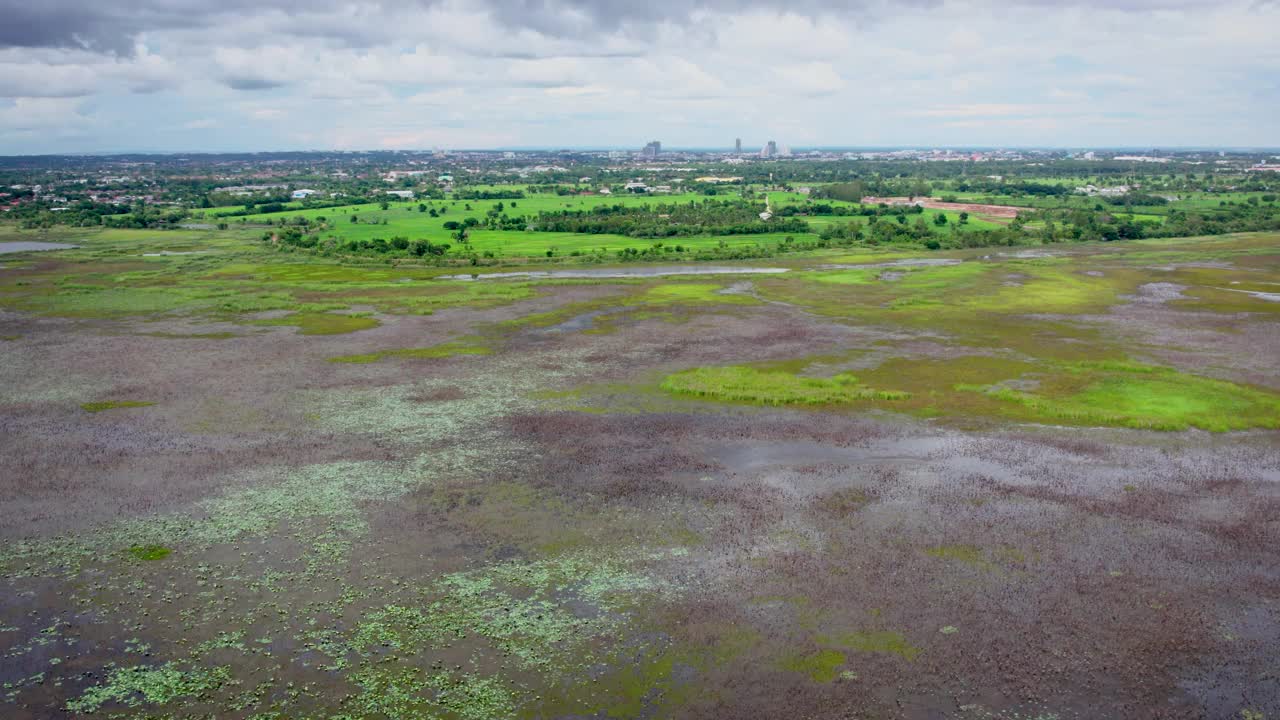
(384,204)
(964,218)
(940,220)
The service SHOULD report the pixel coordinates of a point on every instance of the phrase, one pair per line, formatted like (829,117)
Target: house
(605,191)
(402,194)
(636,187)
(302,194)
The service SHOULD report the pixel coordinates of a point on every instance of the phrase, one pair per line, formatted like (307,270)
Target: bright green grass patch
(746,384)
(693,294)
(85,301)
(969,389)
(1144,397)
(1049,289)
(323,323)
(822,666)
(150,552)
(96,407)
(444,350)
(850,277)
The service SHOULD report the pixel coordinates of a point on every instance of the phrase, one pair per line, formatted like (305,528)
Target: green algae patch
(745,384)
(149,553)
(97,407)
(403,693)
(887,642)
(450,349)
(822,666)
(141,685)
(323,323)
(1140,396)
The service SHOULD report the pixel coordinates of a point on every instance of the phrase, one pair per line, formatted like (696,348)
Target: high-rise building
(652,150)
(769,150)
(737,146)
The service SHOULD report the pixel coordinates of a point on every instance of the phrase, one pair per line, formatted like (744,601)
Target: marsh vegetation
(888,482)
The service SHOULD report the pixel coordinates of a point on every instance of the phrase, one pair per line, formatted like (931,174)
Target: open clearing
(980,484)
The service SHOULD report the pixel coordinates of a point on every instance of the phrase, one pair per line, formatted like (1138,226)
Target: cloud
(41,114)
(418,73)
(812,79)
(983,110)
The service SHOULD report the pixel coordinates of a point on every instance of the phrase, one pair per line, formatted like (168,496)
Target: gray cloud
(114,27)
(243,82)
(110,27)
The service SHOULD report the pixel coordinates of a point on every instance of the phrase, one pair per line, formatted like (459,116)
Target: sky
(251,75)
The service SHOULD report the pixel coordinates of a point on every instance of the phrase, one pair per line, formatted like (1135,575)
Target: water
(30,246)
(641,271)
(1269,297)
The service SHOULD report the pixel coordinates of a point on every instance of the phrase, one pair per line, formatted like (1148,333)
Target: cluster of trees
(992,186)
(708,217)
(880,210)
(855,190)
(84,213)
(143,216)
(400,245)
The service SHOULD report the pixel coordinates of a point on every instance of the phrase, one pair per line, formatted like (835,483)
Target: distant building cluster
(652,150)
